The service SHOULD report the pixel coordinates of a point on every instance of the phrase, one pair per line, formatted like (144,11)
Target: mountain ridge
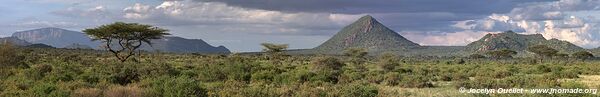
(62,38)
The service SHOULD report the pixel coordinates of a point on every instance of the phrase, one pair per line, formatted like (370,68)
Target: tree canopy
(127,36)
(582,55)
(274,48)
(543,50)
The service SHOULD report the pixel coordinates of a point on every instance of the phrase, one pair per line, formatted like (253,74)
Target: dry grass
(124,91)
(389,91)
(591,81)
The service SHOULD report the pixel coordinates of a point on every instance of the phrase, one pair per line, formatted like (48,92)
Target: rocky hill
(519,42)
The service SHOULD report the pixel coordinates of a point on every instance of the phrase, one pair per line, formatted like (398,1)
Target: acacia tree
(543,51)
(583,55)
(274,50)
(127,36)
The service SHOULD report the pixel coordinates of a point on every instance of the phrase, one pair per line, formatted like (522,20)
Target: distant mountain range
(62,38)
(14,41)
(55,37)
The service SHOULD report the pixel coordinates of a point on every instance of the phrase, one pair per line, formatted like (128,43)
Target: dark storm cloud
(414,15)
(380,6)
(424,21)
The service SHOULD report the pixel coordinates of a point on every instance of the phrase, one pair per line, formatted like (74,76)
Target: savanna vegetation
(34,72)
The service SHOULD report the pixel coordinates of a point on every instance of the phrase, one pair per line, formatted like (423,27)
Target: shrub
(392,79)
(64,72)
(326,69)
(9,55)
(260,90)
(325,63)
(264,75)
(388,62)
(374,76)
(350,76)
(48,90)
(125,75)
(231,88)
(543,69)
(39,71)
(565,74)
(309,90)
(358,90)
(182,86)
(87,92)
(415,81)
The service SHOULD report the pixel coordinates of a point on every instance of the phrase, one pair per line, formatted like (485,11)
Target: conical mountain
(366,33)
(519,42)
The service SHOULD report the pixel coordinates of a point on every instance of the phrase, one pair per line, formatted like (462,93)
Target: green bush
(48,90)
(260,90)
(358,90)
(326,69)
(38,72)
(87,92)
(9,55)
(125,75)
(388,62)
(181,86)
(415,81)
(264,75)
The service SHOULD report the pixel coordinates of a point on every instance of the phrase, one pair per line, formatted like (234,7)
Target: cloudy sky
(241,25)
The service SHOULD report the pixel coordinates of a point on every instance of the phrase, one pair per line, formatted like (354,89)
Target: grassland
(89,73)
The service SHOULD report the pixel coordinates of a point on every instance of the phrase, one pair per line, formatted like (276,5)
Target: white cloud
(552,20)
(444,39)
(37,24)
(97,12)
(137,11)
